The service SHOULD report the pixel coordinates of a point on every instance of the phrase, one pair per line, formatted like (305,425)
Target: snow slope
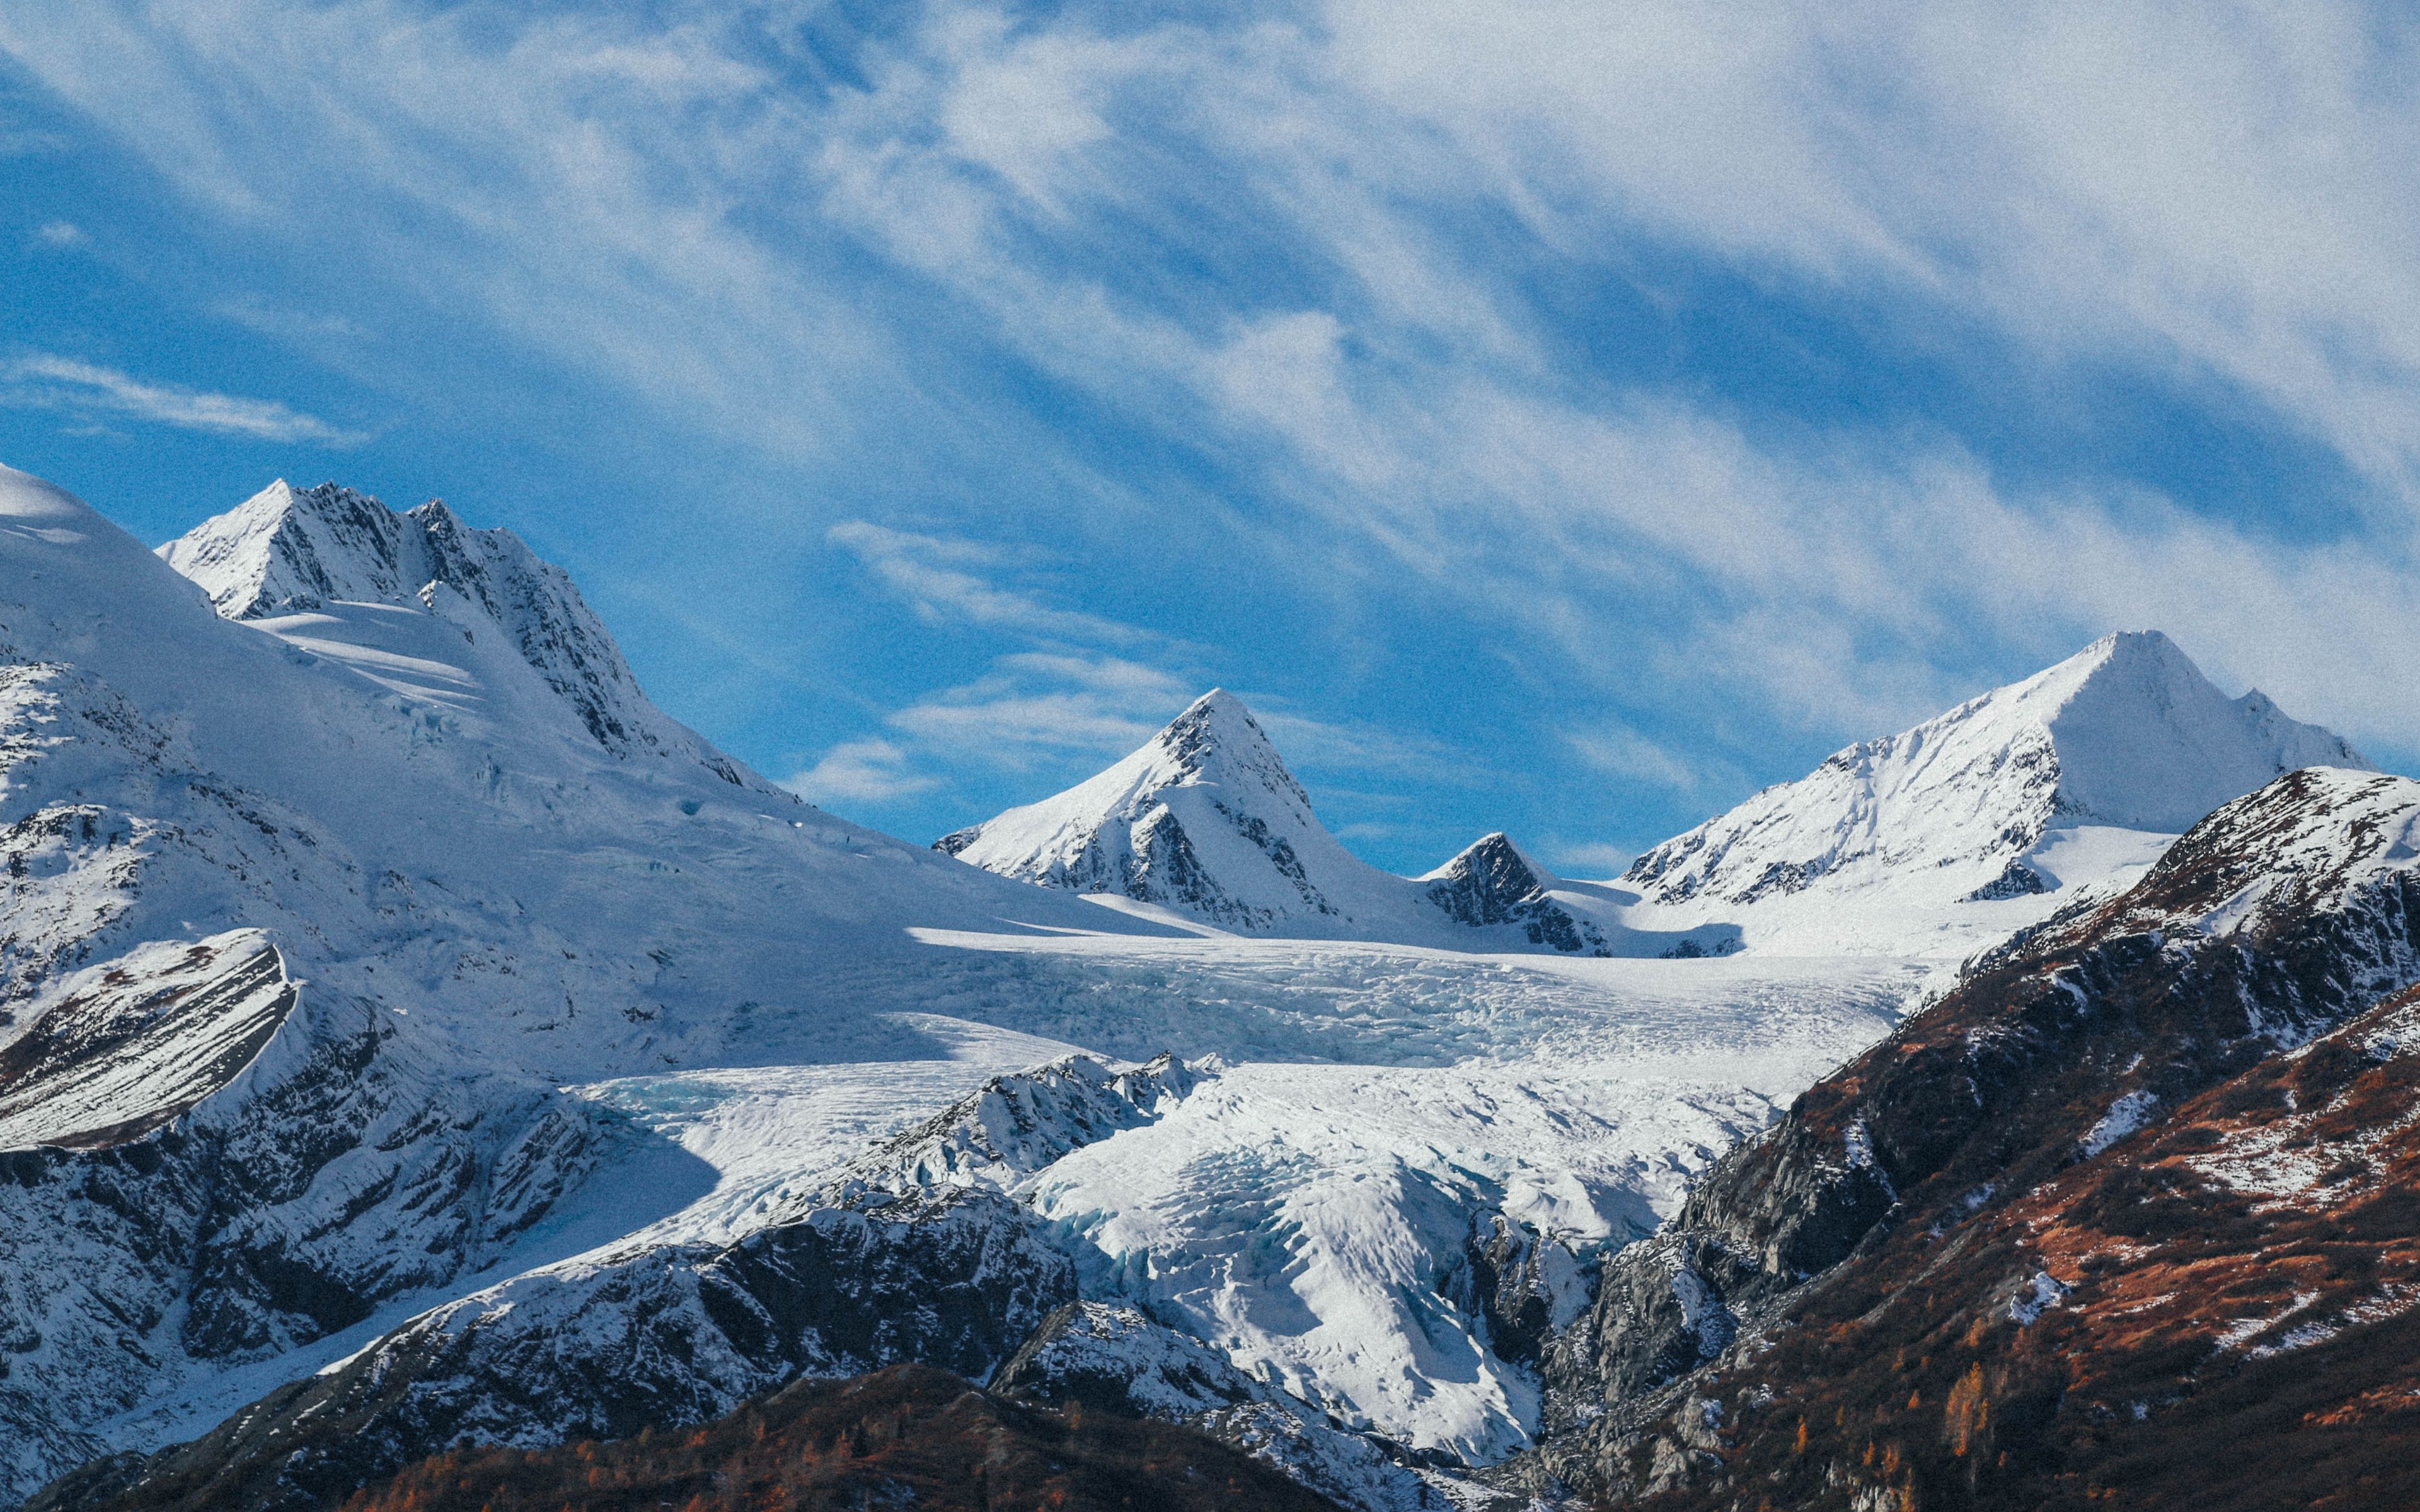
(1945,837)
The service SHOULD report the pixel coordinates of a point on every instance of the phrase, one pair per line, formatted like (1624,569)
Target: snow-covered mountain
(310,927)
(407,1027)
(428,605)
(1204,823)
(351,973)
(1204,819)
(1951,834)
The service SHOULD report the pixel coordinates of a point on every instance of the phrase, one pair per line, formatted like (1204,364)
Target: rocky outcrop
(1015,1125)
(1114,1359)
(1493,882)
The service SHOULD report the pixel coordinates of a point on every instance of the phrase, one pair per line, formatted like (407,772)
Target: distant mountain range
(2074,777)
(412,1042)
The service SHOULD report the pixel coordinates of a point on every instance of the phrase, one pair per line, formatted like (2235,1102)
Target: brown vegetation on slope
(909,1436)
(1954,1294)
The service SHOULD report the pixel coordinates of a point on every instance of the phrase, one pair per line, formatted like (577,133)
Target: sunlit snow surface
(711,997)
(1302,1209)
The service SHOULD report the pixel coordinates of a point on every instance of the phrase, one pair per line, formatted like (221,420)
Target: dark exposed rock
(1493,882)
(955,1280)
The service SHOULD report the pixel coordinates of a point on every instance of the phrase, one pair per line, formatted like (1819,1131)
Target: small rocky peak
(288,551)
(1491,882)
(1494,867)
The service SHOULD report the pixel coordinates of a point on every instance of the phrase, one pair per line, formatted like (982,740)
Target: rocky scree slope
(2133,1202)
(2026,790)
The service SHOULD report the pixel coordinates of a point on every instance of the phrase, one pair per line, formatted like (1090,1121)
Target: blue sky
(1562,418)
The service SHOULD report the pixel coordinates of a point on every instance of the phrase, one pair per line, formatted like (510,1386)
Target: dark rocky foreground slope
(2131,1216)
(907,1436)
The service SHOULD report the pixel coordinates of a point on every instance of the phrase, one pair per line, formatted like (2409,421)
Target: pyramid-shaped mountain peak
(1203,818)
(2126,734)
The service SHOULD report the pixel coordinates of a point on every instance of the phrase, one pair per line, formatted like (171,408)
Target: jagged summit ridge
(289,552)
(2127,735)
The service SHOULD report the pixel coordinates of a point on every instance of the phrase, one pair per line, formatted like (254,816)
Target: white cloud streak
(1244,235)
(45,381)
(932,574)
(871,771)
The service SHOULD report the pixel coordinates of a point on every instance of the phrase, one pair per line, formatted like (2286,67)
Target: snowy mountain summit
(426,605)
(2066,777)
(1205,822)
(1204,819)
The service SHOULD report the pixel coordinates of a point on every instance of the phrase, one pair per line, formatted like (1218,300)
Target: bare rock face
(1493,882)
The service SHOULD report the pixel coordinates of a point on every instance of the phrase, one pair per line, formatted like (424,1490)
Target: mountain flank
(2128,1216)
(907,1436)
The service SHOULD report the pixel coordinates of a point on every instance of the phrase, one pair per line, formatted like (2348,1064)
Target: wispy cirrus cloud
(41,381)
(944,580)
(1694,374)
